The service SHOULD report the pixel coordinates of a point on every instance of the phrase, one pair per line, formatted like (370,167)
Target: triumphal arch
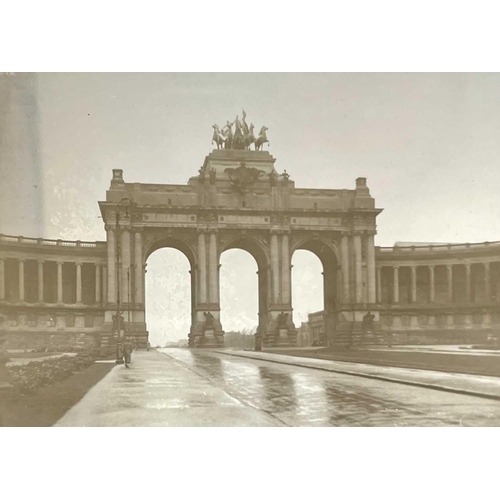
(65,295)
(240,199)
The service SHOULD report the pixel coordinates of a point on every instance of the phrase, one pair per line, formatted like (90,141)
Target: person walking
(128,347)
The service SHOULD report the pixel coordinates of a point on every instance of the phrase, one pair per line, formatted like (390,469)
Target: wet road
(296,396)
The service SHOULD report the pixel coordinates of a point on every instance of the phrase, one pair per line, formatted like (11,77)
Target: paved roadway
(181,387)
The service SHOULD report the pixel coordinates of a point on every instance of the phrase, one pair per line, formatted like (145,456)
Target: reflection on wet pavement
(299,396)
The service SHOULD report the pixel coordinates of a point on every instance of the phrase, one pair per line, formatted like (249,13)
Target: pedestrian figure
(127,351)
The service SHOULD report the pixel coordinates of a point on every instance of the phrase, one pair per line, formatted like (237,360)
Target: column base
(355,329)
(279,332)
(207,331)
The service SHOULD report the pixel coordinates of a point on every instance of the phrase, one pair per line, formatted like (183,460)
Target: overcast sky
(429,144)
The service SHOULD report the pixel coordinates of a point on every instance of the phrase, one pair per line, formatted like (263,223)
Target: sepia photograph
(249,249)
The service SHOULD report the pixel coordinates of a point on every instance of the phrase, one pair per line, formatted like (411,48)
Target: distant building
(317,328)
(304,335)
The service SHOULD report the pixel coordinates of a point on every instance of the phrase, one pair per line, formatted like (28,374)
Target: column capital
(21,259)
(431,266)
(369,232)
(110,227)
(486,264)
(41,261)
(59,262)
(79,263)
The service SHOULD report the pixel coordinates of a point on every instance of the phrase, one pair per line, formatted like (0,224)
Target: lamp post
(118,319)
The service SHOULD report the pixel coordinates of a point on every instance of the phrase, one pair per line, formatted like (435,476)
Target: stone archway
(327,252)
(257,248)
(238,200)
(182,246)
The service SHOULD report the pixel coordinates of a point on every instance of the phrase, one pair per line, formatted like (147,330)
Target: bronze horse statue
(262,139)
(218,138)
(249,137)
(238,138)
(227,133)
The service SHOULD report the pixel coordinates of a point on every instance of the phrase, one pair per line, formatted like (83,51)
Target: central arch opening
(239,294)
(168,297)
(314,293)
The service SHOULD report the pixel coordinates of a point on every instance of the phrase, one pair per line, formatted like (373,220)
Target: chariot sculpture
(242,137)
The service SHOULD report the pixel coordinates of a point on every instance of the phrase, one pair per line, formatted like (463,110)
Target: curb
(425,385)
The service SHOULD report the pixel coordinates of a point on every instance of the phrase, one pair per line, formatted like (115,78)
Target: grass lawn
(50,403)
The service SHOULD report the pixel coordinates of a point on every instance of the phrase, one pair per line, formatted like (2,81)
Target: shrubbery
(30,377)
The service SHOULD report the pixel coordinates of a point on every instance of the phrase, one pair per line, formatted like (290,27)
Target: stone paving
(181,387)
(300,396)
(456,382)
(159,391)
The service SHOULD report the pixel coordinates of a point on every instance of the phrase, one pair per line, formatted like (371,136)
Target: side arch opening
(169,296)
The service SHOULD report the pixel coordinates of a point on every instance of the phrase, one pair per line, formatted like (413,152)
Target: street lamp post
(118,319)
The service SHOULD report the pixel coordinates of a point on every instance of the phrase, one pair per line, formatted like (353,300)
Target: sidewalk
(452,360)
(474,385)
(159,391)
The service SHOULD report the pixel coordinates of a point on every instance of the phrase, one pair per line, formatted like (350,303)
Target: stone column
(413,284)
(344,255)
(104,284)
(286,278)
(40,281)
(97,283)
(2,279)
(213,269)
(432,292)
(467,283)
(111,266)
(125,267)
(21,280)
(395,285)
(449,272)
(139,268)
(59,283)
(487,281)
(379,284)
(275,273)
(358,268)
(202,268)
(370,268)
(78,282)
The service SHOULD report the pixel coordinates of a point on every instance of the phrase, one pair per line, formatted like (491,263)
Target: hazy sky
(429,144)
